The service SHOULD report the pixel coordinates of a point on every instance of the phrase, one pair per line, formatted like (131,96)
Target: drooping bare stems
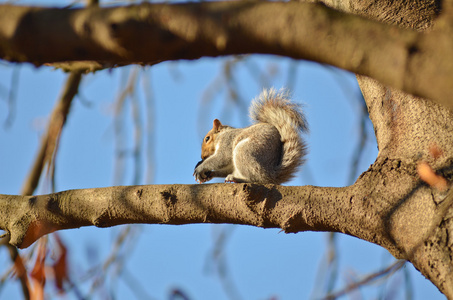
(20,270)
(50,139)
(368,279)
(46,155)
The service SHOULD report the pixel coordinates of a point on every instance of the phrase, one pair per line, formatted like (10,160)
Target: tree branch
(293,209)
(414,62)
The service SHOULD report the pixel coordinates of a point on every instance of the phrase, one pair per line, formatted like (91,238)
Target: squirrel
(269,151)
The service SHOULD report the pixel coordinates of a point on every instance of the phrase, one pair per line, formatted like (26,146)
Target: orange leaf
(37,275)
(428,175)
(36,290)
(60,265)
(19,267)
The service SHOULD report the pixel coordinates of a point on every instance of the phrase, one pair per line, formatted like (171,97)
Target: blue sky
(262,262)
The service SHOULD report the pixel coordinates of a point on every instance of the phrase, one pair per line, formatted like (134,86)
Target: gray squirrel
(269,151)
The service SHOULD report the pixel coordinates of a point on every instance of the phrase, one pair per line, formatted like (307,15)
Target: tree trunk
(410,130)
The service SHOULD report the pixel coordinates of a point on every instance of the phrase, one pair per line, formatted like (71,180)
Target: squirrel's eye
(206,139)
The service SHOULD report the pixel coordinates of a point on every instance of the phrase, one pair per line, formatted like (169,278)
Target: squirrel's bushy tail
(275,108)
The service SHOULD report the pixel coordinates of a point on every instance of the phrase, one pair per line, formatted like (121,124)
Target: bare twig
(150,119)
(367,280)
(138,139)
(133,283)
(328,268)
(120,150)
(223,82)
(46,154)
(21,272)
(217,259)
(12,96)
(177,294)
(49,142)
(115,259)
(292,75)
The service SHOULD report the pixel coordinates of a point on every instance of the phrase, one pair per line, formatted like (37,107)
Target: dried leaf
(19,267)
(60,266)
(428,175)
(37,275)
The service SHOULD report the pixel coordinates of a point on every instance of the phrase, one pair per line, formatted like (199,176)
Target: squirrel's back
(275,108)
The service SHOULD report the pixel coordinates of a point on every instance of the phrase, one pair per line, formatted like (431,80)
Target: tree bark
(411,130)
(394,42)
(386,206)
(150,33)
(352,210)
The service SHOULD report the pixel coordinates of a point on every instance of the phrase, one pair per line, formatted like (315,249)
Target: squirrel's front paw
(230,179)
(201,175)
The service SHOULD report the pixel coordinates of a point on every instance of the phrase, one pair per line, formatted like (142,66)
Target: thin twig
(134,284)
(327,270)
(20,270)
(218,259)
(49,141)
(138,139)
(120,151)
(12,96)
(367,280)
(150,120)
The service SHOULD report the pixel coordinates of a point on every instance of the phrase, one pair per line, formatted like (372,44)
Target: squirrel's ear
(216,124)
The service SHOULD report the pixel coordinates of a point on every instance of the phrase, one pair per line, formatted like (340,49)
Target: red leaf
(37,275)
(60,265)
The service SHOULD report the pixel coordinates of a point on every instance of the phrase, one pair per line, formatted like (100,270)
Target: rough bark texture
(292,209)
(150,33)
(406,128)
(391,41)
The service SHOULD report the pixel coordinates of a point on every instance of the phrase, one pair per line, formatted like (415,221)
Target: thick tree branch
(293,209)
(396,213)
(26,218)
(418,63)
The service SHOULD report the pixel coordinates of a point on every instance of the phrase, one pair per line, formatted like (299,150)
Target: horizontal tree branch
(293,209)
(417,63)
(386,206)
